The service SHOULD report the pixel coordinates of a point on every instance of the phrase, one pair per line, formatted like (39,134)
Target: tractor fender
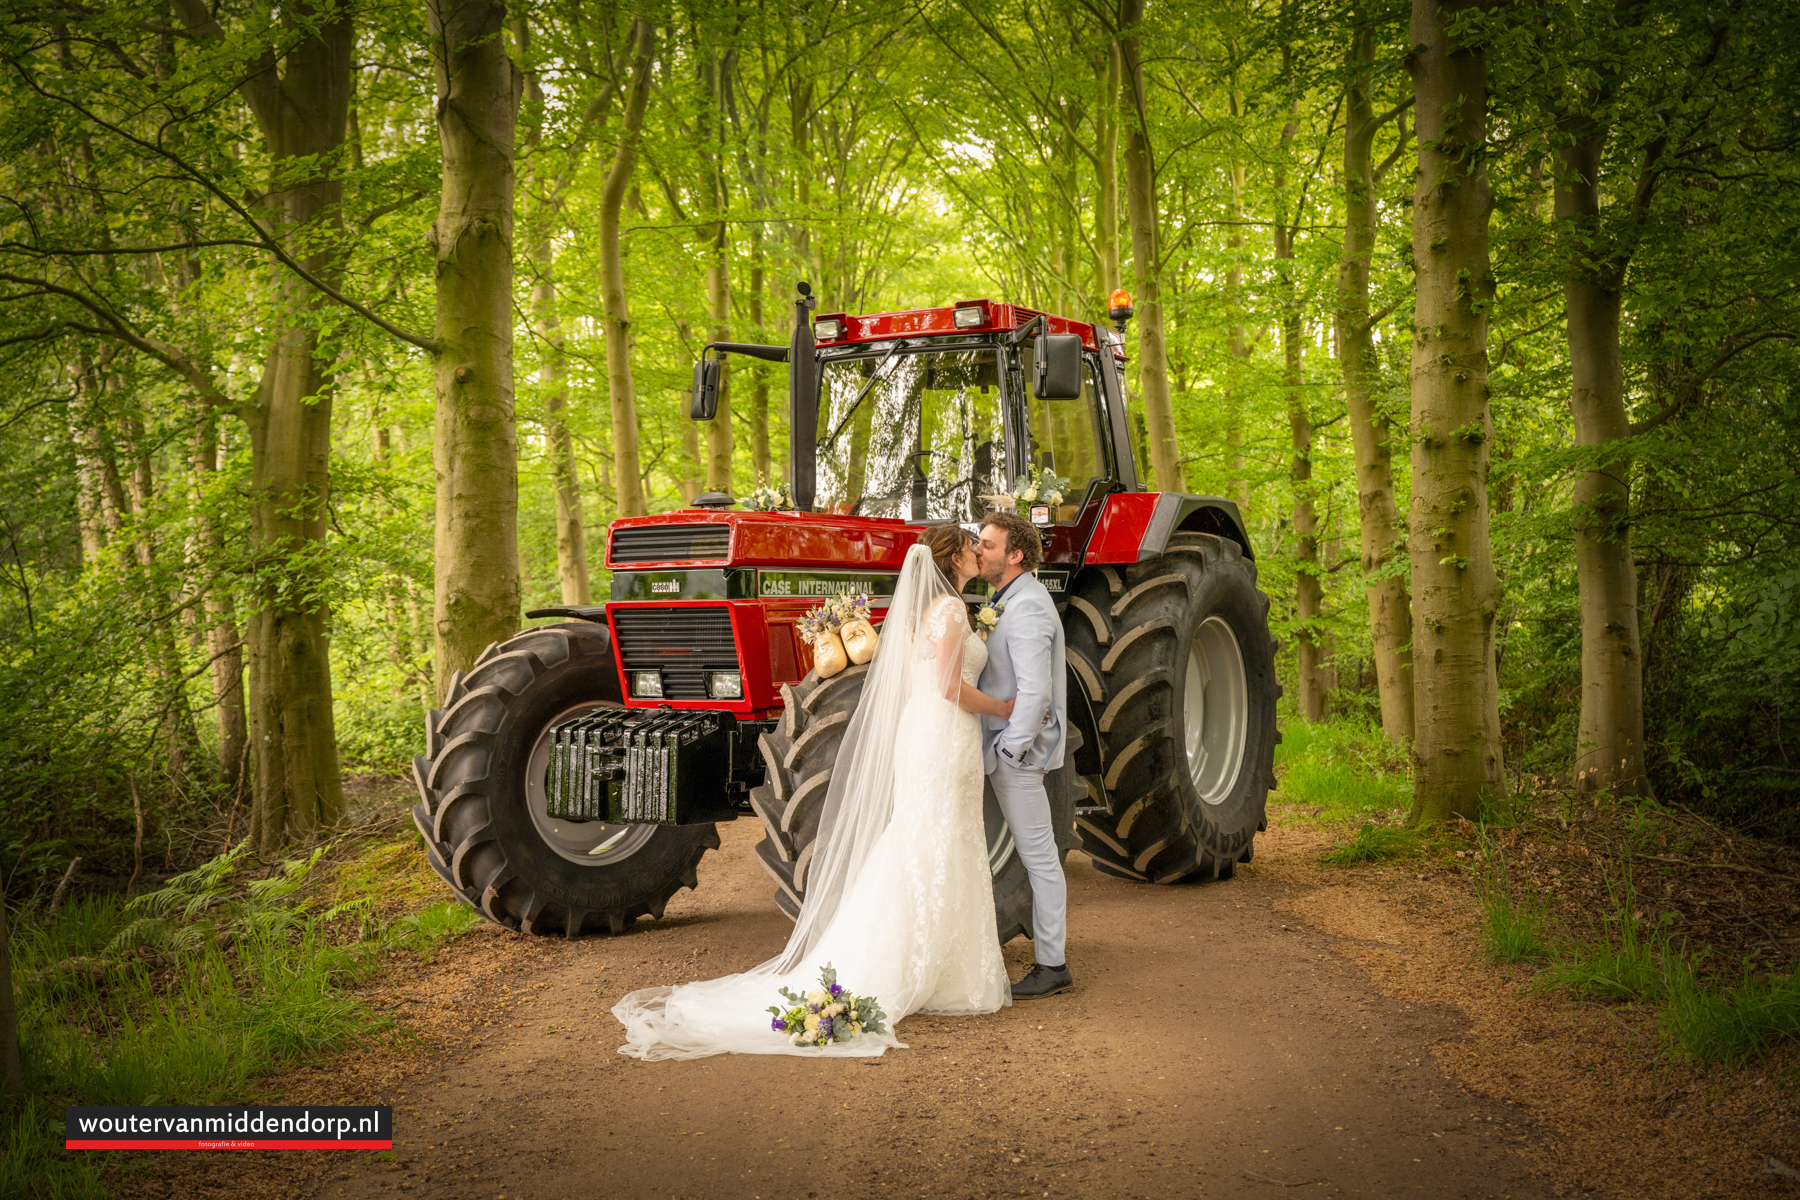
(1136,526)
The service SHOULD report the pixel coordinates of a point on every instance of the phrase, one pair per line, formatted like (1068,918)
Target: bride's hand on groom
(1006,709)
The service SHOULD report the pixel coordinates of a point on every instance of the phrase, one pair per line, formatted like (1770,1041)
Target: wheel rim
(576,841)
(1215,710)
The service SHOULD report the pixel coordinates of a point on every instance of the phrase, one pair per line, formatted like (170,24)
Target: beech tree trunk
(800,118)
(223,648)
(179,734)
(571,534)
(719,434)
(627,476)
(1311,649)
(1390,608)
(1106,204)
(1237,482)
(1140,193)
(692,480)
(759,383)
(474,443)
(1609,750)
(302,105)
(719,440)
(1456,594)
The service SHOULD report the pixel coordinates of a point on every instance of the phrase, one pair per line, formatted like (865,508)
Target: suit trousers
(1026,806)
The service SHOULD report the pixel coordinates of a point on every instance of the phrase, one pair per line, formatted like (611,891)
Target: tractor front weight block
(641,767)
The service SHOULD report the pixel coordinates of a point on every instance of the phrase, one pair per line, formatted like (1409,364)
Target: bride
(900,900)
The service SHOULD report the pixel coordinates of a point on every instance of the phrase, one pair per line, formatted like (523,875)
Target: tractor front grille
(706,541)
(684,643)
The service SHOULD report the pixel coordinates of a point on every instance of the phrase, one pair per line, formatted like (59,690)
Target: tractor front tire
(799,754)
(481,796)
(1177,660)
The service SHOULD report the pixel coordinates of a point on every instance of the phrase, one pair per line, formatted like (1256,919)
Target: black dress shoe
(1042,981)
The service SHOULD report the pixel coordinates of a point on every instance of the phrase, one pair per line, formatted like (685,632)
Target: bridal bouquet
(827,1014)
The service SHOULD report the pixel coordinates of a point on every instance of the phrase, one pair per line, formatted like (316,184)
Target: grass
(1622,961)
(1372,843)
(1727,1024)
(1512,929)
(1346,769)
(188,994)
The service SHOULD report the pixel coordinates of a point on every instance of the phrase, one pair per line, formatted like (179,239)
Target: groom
(1025,662)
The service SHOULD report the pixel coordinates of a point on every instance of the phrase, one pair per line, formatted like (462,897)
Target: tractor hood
(710,538)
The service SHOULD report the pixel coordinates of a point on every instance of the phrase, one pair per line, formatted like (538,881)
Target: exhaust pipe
(803,403)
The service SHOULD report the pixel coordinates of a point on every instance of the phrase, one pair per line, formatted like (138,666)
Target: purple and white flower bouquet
(827,1014)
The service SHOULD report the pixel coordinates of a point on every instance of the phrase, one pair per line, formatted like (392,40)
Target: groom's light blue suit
(1026,663)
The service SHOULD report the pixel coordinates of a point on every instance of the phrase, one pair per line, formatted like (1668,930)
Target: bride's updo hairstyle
(945,542)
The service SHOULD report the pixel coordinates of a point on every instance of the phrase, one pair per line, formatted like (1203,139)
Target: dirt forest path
(1214,1046)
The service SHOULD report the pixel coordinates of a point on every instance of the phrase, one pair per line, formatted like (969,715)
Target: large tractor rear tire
(481,796)
(1179,666)
(799,754)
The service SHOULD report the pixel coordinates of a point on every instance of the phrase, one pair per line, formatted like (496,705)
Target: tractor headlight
(725,685)
(646,685)
(828,329)
(1040,514)
(968,317)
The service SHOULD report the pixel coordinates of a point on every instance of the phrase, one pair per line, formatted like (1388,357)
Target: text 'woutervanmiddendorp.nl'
(228,1127)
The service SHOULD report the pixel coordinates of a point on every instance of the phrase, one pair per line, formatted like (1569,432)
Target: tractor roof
(963,317)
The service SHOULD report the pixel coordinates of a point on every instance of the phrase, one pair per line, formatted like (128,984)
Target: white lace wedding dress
(913,921)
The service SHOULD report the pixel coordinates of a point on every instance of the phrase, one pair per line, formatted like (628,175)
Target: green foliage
(1344,768)
(1372,843)
(189,993)
(1727,1024)
(874,152)
(431,927)
(33,1163)
(1622,959)
(1512,928)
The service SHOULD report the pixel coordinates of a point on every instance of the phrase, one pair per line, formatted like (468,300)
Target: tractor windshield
(924,444)
(1064,439)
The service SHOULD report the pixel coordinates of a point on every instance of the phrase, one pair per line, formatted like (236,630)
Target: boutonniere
(988,616)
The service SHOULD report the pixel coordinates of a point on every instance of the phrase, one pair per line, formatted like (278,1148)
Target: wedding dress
(900,898)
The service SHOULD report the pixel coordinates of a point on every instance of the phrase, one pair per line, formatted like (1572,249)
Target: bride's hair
(945,542)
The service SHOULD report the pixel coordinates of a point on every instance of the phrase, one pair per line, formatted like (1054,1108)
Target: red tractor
(576,774)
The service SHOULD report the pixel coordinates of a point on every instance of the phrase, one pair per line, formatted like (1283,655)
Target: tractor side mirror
(1057,363)
(706,390)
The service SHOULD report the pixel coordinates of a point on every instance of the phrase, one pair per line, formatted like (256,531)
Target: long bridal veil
(729,1014)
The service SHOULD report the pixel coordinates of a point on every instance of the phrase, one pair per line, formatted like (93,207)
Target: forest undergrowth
(1615,900)
(195,991)
(1671,943)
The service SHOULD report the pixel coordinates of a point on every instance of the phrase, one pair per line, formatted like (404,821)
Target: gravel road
(1213,1046)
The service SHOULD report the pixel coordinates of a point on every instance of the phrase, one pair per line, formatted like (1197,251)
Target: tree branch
(114,327)
(1691,391)
(264,241)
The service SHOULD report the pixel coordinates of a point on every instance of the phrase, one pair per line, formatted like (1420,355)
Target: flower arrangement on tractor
(840,633)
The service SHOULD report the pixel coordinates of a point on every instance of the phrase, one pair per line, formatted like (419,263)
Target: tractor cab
(932,414)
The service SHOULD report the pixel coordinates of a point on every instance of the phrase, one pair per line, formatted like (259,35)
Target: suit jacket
(1026,663)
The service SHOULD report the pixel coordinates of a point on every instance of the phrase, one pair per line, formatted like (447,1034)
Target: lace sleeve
(937,626)
(945,633)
